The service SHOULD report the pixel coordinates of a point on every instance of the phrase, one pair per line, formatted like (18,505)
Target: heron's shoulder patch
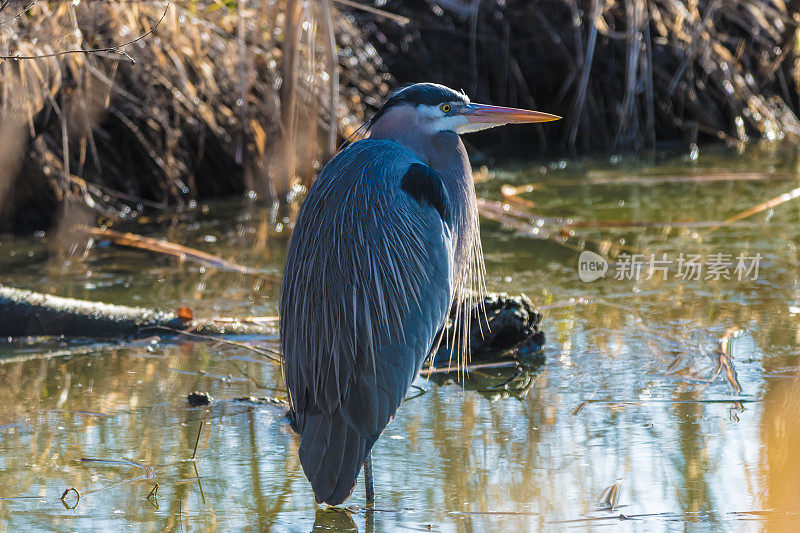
(425,185)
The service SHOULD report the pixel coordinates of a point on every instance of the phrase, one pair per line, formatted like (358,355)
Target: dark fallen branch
(27,313)
(509,331)
(504,356)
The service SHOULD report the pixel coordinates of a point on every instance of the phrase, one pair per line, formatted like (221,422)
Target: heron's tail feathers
(332,453)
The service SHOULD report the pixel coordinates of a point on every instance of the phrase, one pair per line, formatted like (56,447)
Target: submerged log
(512,332)
(27,313)
(502,327)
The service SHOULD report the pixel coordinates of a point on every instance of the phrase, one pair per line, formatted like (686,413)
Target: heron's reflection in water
(338,519)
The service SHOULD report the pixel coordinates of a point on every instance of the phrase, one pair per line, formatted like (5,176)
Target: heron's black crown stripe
(421,93)
(425,186)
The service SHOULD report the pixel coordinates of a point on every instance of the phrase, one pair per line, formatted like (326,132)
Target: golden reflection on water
(630,396)
(780,435)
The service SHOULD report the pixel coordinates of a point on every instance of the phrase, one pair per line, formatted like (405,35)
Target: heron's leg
(368,480)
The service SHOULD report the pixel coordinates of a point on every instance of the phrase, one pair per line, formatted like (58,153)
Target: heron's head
(434,108)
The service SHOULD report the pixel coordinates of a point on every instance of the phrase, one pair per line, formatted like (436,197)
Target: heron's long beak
(481,116)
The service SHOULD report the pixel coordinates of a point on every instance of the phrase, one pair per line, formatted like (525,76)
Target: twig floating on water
(146,471)
(769,204)
(665,400)
(225,341)
(197,441)
(420,392)
(152,497)
(67,493)
(668,515)
(610,497)
(602,177)
(580,407)
(445,370)
(178,251)
(725,361)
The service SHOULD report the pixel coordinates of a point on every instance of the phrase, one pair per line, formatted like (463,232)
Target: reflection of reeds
(210,106)
(525,217)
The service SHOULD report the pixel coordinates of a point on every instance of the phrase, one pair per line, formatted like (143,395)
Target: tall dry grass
(221,97)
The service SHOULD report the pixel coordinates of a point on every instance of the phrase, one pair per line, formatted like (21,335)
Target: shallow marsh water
(630,393)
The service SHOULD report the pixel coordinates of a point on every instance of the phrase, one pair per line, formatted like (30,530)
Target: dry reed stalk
(204,94)
(333,77)
(625,73)
(769,204)
(183,253)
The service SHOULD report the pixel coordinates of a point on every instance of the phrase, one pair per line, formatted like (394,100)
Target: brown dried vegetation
(193,109)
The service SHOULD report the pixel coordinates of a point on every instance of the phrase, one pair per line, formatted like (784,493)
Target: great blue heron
(385,242)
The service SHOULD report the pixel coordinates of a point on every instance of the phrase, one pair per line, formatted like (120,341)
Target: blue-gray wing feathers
(367,287)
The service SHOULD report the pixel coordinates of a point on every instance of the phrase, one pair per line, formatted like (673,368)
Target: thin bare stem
(197,440)
(117,49)
(375,11)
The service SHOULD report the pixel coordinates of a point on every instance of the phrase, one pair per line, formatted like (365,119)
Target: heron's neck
(445,153)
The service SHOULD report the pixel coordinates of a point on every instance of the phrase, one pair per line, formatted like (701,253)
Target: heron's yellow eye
(446,108)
